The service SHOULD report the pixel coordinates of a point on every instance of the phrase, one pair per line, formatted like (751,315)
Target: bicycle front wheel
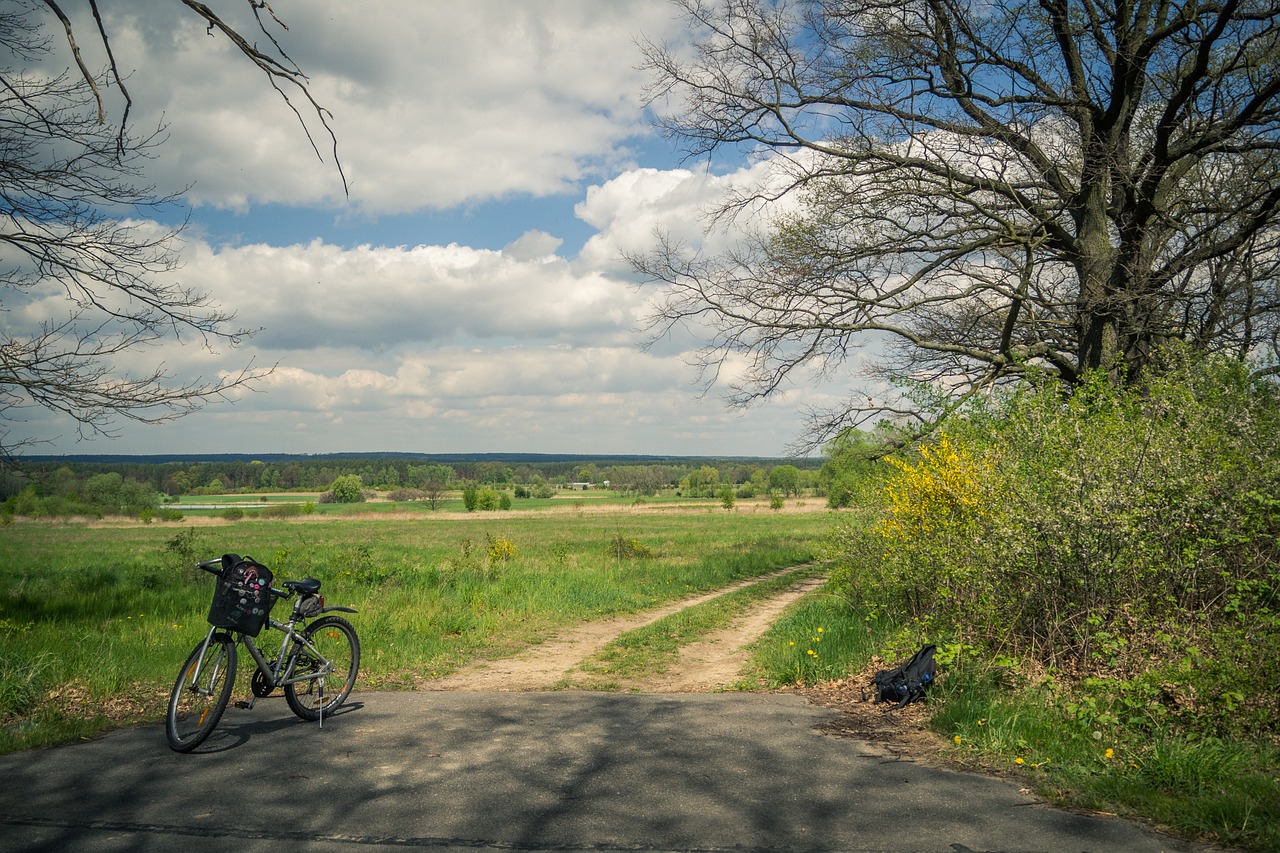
(336,641)
(201,693)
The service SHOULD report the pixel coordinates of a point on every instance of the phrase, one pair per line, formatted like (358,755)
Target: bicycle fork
(194,674)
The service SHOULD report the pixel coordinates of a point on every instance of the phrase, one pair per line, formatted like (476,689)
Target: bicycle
(316,665)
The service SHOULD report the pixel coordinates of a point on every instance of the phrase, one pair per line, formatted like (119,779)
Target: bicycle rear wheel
(201,693)
(336,641)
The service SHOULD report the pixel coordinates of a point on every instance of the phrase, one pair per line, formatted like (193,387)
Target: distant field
(95,617)
(568,501)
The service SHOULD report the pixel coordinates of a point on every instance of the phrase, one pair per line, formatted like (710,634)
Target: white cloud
(628,210)
(438,107)
(380,298)
(435,104)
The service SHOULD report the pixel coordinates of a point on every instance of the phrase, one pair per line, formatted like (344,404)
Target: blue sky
(468,295)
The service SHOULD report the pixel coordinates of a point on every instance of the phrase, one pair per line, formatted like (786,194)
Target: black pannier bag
(242,600)
(906,682)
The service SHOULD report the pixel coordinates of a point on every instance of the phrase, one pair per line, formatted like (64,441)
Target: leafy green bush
(347,489)
(1128,538)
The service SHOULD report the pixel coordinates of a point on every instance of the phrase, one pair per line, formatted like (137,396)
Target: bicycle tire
(336,640)
(194,709)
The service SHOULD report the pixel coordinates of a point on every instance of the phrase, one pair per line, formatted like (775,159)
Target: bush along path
(697,644)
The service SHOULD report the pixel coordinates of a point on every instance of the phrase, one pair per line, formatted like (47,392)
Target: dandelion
(982,722)
(1109,754)
(956,739)
(819,630)
(1018,761)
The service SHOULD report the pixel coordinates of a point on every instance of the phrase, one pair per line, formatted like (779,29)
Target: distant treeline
(191,475)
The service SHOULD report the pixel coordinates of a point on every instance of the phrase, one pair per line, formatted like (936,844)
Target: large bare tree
(980,188)
(77,249)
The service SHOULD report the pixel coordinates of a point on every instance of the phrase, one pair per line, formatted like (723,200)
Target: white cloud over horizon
(397,341)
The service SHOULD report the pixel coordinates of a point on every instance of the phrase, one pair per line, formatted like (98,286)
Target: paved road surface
(564,771)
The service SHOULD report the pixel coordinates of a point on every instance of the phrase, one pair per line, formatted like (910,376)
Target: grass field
(95,617)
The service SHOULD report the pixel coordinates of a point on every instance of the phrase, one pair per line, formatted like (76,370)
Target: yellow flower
(1110,753)
(1018,761)
(819,630)
(982,722)
(956,739)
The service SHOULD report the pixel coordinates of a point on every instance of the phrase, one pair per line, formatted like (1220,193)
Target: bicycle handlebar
(214,567)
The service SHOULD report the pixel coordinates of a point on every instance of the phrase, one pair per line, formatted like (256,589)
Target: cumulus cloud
(378,298)
(438,108)
(435,105)
(628,210)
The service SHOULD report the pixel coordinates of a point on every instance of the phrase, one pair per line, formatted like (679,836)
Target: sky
(468,295)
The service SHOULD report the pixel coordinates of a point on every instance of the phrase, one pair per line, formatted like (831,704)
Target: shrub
(347,489)
(622,548)
(501,549)
(1129,537)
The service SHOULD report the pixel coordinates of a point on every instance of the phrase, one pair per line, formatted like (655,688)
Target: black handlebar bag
(242,600)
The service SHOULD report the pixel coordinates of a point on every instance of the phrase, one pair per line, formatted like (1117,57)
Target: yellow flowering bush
(501,549)
(946,487)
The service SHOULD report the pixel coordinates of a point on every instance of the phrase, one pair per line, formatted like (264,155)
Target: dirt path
(710,664)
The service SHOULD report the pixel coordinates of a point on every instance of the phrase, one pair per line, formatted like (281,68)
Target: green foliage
(1129,538)
(785,480)
(347,489)
(64,496)
(702,483)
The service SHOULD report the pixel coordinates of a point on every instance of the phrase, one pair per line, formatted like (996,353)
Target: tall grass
(94,620)
(1207,787)
(820,638)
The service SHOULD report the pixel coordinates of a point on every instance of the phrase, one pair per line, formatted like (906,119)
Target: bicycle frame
(282,673)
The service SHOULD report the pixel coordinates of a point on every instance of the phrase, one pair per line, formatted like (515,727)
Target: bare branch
(984,192)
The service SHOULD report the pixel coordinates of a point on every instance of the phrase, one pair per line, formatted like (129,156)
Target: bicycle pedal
(244,706)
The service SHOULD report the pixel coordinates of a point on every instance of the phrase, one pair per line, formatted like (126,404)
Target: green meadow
(95,618)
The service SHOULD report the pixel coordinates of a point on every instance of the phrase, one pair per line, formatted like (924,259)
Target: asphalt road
(562,771)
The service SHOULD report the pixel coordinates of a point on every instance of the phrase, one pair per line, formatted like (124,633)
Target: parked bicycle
(316,665)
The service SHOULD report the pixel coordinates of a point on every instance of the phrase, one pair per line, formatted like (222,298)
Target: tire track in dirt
(707,665)
(717,661)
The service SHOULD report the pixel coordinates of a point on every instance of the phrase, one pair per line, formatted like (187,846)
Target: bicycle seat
(306,586)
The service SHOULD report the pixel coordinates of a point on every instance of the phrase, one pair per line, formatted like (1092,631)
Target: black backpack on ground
(906,682)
